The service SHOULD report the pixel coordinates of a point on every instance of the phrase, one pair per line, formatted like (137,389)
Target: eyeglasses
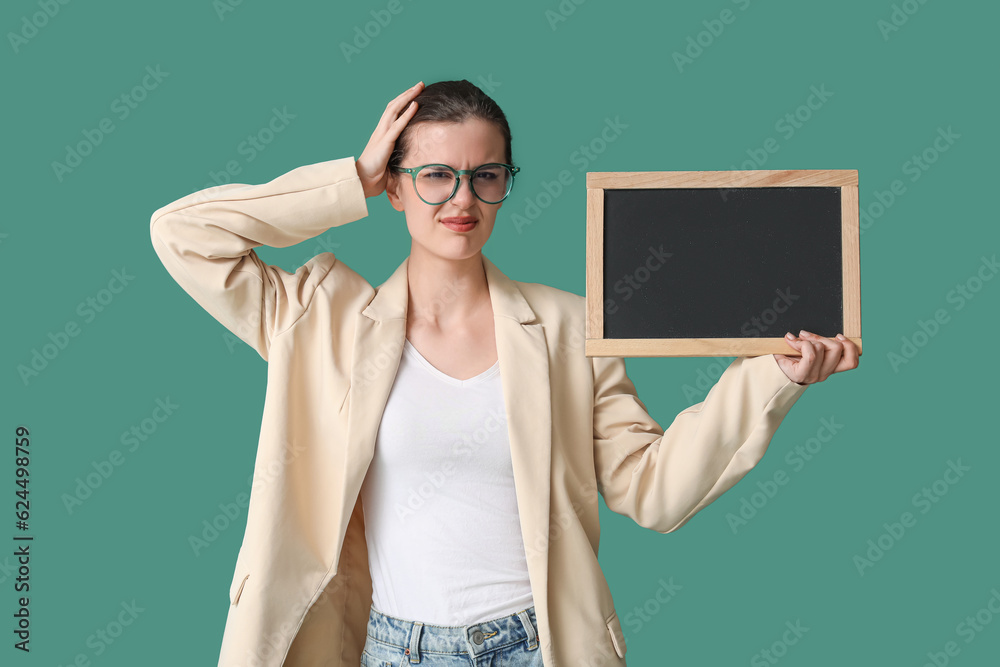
(437,183)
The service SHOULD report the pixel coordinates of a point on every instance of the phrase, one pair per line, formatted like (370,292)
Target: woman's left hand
(820,357)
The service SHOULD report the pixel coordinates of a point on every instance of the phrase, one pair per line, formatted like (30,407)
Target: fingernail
(803,332)
(841,337)
(789,336)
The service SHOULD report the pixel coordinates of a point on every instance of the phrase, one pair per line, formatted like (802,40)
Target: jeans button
(477,636)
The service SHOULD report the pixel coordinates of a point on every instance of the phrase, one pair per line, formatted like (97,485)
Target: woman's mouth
(461,224)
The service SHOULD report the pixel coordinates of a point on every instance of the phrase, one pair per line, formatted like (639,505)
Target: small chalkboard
(720,263)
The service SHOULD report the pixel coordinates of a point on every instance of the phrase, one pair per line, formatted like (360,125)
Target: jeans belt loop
(529,628)
(414,649)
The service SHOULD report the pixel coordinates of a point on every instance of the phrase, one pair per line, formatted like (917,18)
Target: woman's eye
(486,176)
(439,174)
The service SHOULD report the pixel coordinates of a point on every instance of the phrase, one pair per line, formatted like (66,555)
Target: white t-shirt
(441,517)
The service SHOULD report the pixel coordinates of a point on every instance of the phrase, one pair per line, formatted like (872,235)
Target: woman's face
(464,145)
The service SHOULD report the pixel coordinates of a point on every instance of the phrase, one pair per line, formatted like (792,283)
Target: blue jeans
(510,641)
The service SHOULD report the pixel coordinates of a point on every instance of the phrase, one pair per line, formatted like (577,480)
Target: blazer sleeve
(660,478)
(206,242)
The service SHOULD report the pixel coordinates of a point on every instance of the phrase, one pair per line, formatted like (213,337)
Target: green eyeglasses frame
(458,180)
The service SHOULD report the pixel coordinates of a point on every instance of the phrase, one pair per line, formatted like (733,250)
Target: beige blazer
(301,590)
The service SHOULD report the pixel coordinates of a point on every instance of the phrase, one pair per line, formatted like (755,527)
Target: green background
(559,81)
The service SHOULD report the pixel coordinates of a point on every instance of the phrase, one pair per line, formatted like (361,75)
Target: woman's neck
(445,291)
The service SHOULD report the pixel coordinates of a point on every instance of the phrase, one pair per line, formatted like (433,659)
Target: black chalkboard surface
(720,263)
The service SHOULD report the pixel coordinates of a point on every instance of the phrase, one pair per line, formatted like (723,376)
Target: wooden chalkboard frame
(596,345)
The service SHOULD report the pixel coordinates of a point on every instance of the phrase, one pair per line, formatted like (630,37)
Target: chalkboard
(720,263)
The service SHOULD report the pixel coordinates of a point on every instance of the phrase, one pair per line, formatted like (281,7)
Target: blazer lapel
(524,374)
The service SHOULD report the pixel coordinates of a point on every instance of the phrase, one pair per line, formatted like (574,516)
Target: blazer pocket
(236,589)
(617,636)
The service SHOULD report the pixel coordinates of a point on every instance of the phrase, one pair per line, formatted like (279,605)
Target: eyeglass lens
(490,182)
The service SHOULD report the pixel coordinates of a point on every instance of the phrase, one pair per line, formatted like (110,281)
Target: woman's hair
(451,102)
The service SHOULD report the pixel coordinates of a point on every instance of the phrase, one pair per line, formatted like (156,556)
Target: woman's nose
(464,197)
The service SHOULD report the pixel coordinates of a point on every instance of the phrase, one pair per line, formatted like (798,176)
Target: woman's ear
(392,190)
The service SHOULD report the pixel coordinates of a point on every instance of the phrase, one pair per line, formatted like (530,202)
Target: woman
(397,514)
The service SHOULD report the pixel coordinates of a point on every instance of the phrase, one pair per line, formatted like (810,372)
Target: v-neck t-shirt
(440,510)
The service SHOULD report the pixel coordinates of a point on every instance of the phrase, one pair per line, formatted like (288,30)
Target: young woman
(432,450)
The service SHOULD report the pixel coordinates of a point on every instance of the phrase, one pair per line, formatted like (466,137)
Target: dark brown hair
(452,102)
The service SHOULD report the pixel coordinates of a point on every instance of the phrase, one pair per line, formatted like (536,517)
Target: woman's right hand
(373,163)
